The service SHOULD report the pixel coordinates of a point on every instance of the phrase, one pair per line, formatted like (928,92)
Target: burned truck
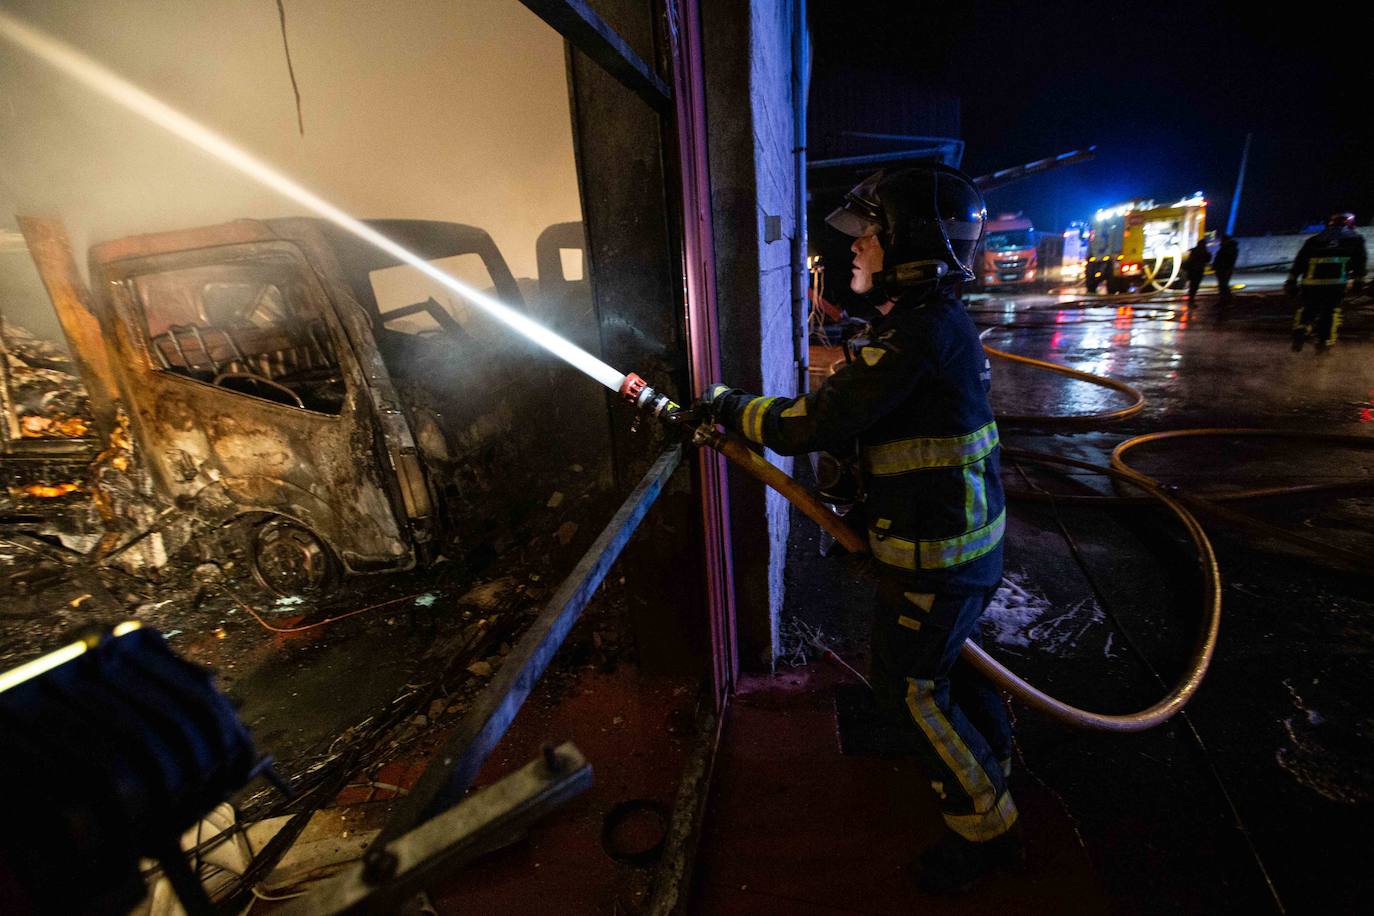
(331,411)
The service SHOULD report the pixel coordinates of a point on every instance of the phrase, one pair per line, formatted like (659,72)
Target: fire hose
(1137,399)
(738,452)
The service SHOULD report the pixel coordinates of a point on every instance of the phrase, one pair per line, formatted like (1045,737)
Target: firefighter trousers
(1223,288)
(965,737)
(1194,283)
(1319,314)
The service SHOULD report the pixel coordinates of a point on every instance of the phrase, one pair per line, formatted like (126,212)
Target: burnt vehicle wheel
(291,560)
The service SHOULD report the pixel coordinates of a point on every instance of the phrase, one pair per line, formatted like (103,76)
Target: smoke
(424,110)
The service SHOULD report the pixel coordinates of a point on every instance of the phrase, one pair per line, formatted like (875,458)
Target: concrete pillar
(756,211)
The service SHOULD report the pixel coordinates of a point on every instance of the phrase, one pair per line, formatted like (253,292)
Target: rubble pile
(45,393)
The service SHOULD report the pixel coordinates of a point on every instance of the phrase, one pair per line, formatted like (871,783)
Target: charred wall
(626,170)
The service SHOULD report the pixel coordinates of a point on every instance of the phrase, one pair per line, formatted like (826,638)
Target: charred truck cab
(285,383)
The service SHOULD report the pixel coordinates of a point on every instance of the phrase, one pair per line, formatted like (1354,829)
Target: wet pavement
(1257,799)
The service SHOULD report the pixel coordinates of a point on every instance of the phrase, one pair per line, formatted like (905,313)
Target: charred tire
(289,559)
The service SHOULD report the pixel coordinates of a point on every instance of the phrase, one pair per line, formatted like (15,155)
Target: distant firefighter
(1223,265)
(1327,262)
(1194,265)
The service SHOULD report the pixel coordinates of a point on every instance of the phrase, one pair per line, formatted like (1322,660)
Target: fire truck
(1073,257)
(1009,252)
(1139,245)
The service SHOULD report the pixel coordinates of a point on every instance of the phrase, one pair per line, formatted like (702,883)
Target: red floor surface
(795,827)
(636,731)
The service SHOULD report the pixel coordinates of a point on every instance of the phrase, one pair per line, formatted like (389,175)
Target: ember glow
(105,82)
(61,427)
(46,490)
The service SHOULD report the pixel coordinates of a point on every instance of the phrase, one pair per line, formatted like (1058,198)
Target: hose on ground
(737,452)
(1208,503)
(1136,406)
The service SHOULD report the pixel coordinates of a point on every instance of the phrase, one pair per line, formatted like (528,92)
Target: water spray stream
(83,69)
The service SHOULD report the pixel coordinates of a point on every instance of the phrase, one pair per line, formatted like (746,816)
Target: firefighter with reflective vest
(1325,265)
(912,408)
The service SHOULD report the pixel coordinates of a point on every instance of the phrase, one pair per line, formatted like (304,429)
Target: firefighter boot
(1299,338)
(955,864)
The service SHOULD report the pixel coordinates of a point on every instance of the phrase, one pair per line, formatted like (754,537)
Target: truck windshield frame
(1009,240)
(252,325)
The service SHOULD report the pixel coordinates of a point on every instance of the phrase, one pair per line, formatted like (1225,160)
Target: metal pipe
(438,847)
(703,329)
(801,305)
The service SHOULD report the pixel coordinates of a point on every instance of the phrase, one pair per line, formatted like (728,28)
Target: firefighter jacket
(1330,258)
(1227,255)
(914,400)
(1195,264)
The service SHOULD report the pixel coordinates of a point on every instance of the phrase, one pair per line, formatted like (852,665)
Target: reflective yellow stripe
(979,828)
(1313,263)
(751,423)
(975,497)
(911,624)
(923,453)
(796,410)
(920,701)
(938,554)
(1335,326)
(923,601)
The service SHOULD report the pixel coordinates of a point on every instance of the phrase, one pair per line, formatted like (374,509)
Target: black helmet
(929,214)
(1340,221)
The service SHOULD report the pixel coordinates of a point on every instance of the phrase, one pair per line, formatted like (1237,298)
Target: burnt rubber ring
(621,812)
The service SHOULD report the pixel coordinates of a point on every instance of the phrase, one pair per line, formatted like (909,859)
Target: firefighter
(1194,266)
(1325,264)
(1223,265)
(912,407)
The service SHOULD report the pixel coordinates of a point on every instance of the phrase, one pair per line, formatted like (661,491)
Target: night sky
(1166,91)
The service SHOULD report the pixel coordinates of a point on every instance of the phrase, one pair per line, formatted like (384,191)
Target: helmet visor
(851,222)
(860,214)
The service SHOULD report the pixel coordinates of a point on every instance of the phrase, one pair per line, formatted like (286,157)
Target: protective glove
(1357,286)
(703,411)
(713,401)
(1290,286)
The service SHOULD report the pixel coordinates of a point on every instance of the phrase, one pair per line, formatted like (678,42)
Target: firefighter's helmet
(1340,221)
(929,213)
